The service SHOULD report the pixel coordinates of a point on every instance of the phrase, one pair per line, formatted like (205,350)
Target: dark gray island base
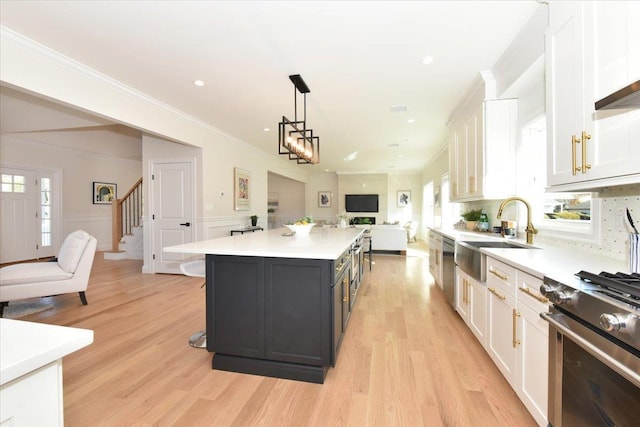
(278,317)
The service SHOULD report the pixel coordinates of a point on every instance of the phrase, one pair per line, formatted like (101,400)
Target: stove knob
(547,290)
(611,322)
(560,296)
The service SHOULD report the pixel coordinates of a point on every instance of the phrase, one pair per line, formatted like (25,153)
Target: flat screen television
(361,202)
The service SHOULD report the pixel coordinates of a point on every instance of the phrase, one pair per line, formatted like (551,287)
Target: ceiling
(359,59)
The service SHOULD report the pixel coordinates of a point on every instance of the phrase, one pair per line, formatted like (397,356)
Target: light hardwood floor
(407,359)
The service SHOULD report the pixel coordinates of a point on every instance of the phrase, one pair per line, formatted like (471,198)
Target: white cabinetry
(482,148)
(532,352)
(501,340)
(517,338)
(471,304)
(591,51)
(435,256)
(31,371)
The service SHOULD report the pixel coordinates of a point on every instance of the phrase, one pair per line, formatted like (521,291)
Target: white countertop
(560,264)
(321,243)
(27,346)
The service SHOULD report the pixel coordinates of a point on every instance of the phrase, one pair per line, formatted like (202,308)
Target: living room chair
(69,272)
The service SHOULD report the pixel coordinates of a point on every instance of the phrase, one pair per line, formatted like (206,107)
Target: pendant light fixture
(294,138)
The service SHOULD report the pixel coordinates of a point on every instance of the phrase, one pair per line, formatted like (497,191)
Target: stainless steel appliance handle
(622,369)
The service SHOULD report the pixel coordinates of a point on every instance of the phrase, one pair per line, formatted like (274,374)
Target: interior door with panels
(172,214)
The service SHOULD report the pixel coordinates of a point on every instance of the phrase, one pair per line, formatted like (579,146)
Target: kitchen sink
(493,244)
(470,260)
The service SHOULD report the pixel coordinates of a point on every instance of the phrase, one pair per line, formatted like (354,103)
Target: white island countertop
(321,243)
(27,346)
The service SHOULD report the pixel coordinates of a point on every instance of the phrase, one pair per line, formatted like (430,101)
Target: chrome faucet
(530,228)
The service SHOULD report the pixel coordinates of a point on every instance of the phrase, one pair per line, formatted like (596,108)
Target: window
(45,212)
(568,215)
(450,211)
(13,183)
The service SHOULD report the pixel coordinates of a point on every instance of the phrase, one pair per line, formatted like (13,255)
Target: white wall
(433,171)
(291,199)
(79,168)
(323,182)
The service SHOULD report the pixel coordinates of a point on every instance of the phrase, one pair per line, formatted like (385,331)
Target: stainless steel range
(594,350)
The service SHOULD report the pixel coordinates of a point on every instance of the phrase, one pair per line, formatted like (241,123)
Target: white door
(28,211)
(172,212)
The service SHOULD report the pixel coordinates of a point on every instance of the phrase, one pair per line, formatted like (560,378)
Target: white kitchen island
(278,305)
(31,371)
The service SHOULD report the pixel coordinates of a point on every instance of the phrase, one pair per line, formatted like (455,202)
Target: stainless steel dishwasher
(448,270)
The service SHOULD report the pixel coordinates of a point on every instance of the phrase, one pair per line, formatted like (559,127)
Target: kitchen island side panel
(298,310)
(235,305)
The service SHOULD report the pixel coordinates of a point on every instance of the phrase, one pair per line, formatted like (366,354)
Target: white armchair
(40,279)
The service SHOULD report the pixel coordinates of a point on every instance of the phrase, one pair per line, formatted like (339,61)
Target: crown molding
(24,43)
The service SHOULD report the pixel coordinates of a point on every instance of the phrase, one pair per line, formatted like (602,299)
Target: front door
(172,212)
(27,202)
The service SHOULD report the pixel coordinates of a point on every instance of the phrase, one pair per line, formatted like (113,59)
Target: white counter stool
(196,269)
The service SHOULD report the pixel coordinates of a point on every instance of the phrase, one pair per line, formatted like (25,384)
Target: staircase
(126,228)
(130,246)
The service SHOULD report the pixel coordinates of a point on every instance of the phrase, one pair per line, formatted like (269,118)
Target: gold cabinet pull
(454,187)
(338,268)
(574,142)
(498,274)
(464,291)
(515,341)
(531,294)
(493,291)
(585,165)
(472,184)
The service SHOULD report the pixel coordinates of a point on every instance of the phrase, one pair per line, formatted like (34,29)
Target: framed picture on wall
(104,193)
(404,198)
(324,199)
(241,189)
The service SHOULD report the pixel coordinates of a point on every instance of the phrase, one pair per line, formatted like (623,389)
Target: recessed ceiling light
(410,121)
(266,129)
(351,156)
(427,60)
(398,108)
(198,83)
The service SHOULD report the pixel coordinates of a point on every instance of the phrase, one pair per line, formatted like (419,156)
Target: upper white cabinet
(591,52)
(482,151)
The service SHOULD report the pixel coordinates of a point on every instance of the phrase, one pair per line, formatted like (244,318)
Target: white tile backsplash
(614,227)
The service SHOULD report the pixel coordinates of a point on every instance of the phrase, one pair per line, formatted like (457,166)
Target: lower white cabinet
(471,304)
(532,353)
(517,338)
(435,256)
(501,341)
(34,399)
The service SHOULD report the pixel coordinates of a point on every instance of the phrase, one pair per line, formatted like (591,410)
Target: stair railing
(126,214)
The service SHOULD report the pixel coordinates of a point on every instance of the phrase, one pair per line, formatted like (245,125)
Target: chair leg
(83,298)
(2,306)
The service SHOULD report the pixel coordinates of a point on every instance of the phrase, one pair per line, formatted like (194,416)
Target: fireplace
(363,220)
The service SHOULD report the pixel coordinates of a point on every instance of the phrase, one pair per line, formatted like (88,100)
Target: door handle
(188,224)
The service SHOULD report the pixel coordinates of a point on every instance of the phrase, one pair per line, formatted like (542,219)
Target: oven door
(592,380)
